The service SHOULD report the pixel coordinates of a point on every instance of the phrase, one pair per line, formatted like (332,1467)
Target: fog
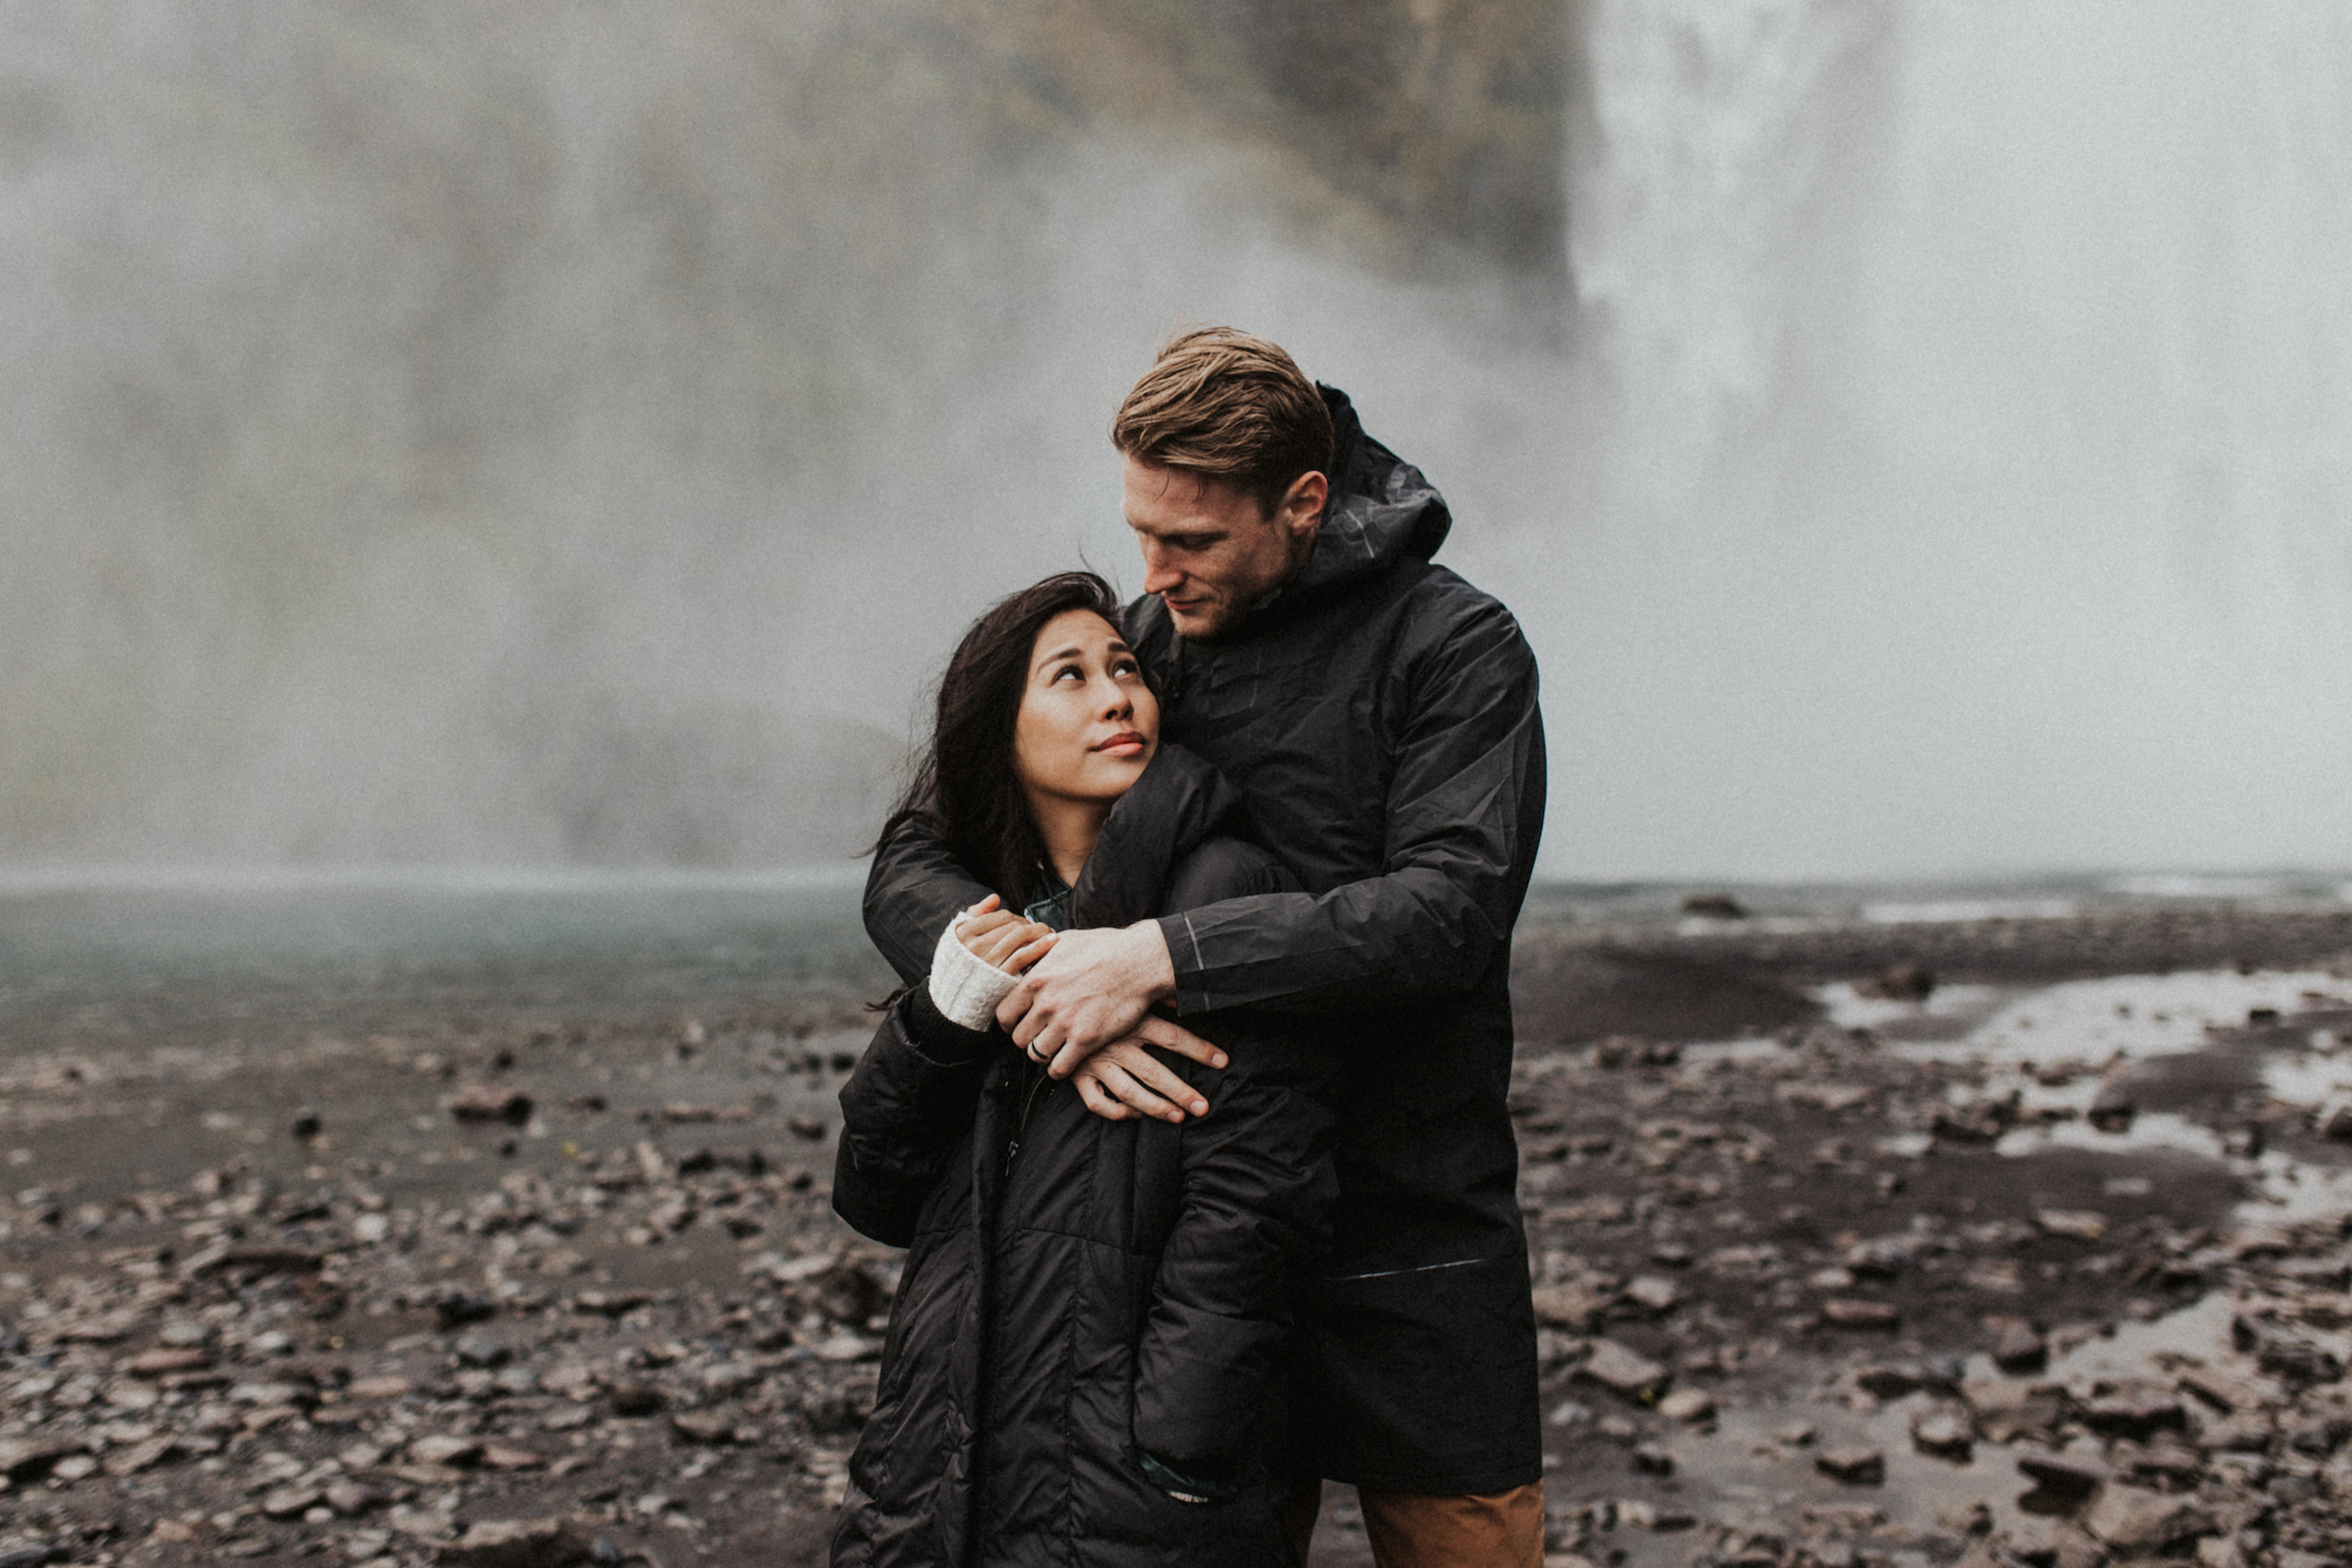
(1917,438)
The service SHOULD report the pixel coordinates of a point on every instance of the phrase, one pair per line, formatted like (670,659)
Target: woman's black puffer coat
(1079,1292)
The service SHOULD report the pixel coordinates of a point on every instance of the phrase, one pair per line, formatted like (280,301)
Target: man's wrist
(1163,966)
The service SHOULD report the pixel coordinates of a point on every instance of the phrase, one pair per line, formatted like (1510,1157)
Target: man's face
(1209,551)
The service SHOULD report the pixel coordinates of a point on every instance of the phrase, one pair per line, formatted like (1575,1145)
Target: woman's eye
(1070,672)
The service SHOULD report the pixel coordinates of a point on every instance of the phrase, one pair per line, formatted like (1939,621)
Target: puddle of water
(2089,1021)
(2150,1130)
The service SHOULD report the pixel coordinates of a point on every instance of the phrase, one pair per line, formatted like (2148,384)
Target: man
(1380,715)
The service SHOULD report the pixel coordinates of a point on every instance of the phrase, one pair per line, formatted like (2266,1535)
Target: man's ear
(1301,511)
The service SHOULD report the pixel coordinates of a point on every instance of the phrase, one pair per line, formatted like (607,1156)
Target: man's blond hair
(1227,405)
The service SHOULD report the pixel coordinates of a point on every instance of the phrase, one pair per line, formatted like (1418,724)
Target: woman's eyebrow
(1044,659)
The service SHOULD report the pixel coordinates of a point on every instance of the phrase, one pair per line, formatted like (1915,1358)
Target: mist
(1915,437)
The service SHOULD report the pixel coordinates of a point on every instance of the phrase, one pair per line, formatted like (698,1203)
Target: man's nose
(1158,576)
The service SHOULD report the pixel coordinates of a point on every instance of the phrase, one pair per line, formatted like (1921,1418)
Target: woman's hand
(1000,938)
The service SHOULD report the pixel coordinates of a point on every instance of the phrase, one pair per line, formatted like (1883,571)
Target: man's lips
(1125,744)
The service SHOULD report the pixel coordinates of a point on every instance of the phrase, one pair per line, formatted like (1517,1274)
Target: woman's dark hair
(965,784)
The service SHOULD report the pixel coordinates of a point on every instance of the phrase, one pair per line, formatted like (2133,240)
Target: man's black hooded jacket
(1380,717)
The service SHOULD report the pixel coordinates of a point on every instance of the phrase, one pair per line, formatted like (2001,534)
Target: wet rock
(1892,1380)
(2082,1224)
(1945,1434)
(24,1459)
(636,1399)
(1651,1459)
(2113,1111)
(1689,1405)
(481,1350)
(2284,1353)
(702,1426)
(490,1102)
(1653,1295)
(292,1502)
(451,1451)
(1854,1312)
(518,1543)
(353,1498)
(1856,1466)
(1622,1369)
(1578,1307)
(2134,1520)
(137,1457)
(1714,905)
(2066,1477)
(2137,1410)
(1903,982)
(2016,1346)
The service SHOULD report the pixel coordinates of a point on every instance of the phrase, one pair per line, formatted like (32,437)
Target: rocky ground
(2001,1263)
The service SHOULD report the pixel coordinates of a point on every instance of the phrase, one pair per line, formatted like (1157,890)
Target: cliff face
(1443,118)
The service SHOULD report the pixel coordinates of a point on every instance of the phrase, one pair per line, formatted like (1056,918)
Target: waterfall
(1969,480)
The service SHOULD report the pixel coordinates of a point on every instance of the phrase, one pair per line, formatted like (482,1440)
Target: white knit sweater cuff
(964,988)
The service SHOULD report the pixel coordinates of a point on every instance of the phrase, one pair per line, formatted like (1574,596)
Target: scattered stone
(2067,1473)
(2113,1111)
(489,1102)
(1689,1405)
(1714,905)
(2284,1353)
(1622,1369)
(1651,1459)
(2137,1410)
(635,1399)
(24,1459)
(702,1426)
(1653,1293)
(1903,982)
(1856,1466)
(2132,1519)
(481,1350)
(2083,1224)
(1944,1434)
(164,1361)
(1854,1312)
(518,1543)
(353,1498)
(451,1451)
(2016,1346)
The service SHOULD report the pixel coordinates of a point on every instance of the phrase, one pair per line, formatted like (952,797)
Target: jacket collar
(1179,804)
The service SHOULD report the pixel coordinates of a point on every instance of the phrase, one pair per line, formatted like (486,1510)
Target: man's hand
(1124,1079)
(1092,987)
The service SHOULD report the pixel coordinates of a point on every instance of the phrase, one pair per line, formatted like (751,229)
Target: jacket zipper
(1012,1146)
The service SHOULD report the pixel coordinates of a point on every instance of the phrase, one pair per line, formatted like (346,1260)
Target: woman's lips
(1124,745)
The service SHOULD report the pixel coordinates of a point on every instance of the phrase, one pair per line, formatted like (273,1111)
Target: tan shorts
(1496,1529)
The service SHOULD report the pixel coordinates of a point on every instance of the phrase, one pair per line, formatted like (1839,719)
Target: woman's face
(1087,723)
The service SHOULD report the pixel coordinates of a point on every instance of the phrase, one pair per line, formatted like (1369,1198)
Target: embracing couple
(1192,1115)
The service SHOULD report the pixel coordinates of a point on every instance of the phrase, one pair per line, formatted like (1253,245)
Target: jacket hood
(1179,804)
(1381,512)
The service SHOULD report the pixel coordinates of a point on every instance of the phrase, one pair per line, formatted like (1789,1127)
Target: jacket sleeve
(913,890)
(903,1112)
(1254,1216)
(1464,811)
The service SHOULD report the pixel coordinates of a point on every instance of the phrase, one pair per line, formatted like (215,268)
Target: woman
(1083,1361)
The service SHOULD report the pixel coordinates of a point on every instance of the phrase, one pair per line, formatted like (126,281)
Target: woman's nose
(1120,703)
